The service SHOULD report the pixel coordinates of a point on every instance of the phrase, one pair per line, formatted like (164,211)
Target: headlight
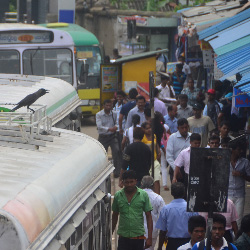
(91,102)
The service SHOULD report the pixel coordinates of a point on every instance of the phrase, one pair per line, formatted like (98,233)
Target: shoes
(166,188)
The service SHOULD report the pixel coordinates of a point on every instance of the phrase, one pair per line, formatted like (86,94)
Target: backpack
(202,244)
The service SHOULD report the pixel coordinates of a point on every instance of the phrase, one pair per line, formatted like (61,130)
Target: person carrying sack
(107,127)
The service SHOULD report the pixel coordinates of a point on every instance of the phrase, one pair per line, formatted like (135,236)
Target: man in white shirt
(167,94)
(186,69)
(157,203)
(183,158)
(196,229)
(176,143)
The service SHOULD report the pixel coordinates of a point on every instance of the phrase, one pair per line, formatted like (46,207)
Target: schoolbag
(202,244)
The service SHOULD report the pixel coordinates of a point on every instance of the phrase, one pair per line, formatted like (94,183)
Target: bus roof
(40,186)
(60,101)
(80,36)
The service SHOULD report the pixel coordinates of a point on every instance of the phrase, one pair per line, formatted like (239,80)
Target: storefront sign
(241,99)
(109,78)
(208,58)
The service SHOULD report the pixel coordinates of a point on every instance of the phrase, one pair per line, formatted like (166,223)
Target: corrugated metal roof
(230,61)
(234,33)
(243,70)
(245,79)
(225,24)
(207,9)
(245,41)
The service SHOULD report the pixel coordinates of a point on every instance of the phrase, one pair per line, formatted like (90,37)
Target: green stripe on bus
(59,103)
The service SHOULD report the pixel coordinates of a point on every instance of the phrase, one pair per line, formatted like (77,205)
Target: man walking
(159,106)
(130,203)
(173,220)
(239,174)
(157,203)
(127,107)
(178,78)
(107,127)
(212,109)
(176,143)
(167,93)
(183,109)
(196,229)
(138,109)
(137,157)
(217,239)
(170,118)
(200,124)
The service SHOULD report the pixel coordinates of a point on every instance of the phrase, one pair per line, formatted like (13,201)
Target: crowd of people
(183,120)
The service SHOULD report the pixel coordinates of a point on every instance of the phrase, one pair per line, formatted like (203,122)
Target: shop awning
(230,40)
(225,24)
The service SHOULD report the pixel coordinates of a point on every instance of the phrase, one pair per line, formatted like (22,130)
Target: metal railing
(19,129)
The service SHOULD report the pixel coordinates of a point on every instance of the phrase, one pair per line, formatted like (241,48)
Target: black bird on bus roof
(30,99)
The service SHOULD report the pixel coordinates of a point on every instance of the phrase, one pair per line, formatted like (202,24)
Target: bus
(87,51)
(27,49)
(55,192)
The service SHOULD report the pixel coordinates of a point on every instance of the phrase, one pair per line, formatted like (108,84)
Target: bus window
(49,62)
(92,56)
(9,62)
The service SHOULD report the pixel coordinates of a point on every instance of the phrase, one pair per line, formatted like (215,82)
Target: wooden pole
(151,88)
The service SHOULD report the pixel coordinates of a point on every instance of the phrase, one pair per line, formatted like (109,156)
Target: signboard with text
(208,179)
(241,99)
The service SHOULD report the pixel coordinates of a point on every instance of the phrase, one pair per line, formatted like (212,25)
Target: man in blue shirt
(173,220)
(178,78)
(217,239)
(170,118)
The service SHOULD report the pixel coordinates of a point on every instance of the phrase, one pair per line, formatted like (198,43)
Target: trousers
(112,142)
(130,244)
(239,203)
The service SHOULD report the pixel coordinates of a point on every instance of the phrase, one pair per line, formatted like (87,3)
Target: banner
(109,78)
(241,99)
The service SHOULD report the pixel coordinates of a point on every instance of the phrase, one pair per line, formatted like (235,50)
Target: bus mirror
(84,73)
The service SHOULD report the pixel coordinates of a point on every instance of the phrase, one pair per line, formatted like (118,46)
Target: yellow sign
(84,54)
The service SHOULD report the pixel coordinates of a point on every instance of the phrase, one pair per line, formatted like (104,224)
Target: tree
(13,5)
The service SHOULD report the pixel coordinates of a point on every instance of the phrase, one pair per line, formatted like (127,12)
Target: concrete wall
(104,27)
(104,24)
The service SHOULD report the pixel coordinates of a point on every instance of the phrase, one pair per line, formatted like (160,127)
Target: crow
(30,99)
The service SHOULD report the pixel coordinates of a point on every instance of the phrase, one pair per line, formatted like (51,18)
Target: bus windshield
(92,56)
(9,62)
(49,62)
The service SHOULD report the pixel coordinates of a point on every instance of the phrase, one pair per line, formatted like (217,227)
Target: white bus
(55,188)
(27,49)
(33,50)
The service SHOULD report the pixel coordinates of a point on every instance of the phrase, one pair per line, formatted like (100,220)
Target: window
(91,55)
(9,62)
(49,62)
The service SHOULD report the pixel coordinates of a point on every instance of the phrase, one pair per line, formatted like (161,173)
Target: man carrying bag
(107,127)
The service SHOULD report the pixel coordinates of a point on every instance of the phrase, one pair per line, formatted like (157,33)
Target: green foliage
(151,5)
(13,6)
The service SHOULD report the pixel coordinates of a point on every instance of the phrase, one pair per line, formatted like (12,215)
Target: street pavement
(89,128)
